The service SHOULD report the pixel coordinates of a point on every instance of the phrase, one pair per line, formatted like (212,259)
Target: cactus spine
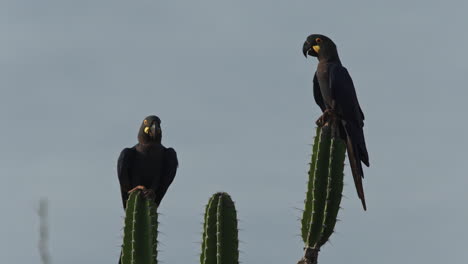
(220,239)
(324,189)
(140,231)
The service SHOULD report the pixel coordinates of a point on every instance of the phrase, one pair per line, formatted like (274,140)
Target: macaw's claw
(139,187)
(328,115)
(149,194)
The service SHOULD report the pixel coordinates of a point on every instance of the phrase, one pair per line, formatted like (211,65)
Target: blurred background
(234,93)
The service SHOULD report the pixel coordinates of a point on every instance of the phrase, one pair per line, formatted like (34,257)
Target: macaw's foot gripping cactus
(220,242)
(323,190)
(140,231)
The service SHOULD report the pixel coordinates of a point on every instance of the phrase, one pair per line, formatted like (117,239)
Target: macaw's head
(320,46)
(150,130)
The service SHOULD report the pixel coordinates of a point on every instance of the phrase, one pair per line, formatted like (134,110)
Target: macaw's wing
(169,171)
(344,94)
(318,94)
(123,172)
(347,107)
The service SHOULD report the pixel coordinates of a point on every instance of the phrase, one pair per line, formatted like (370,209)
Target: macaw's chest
(147,166)
(324,83)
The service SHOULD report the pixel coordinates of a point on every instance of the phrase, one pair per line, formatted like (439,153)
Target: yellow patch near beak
(147,130)
(316,48)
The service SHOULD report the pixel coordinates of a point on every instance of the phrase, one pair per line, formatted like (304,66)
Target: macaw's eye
(318,40)
(145,122)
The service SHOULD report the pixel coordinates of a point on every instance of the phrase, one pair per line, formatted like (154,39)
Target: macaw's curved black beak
(153,130)
(306,48)
(310,48)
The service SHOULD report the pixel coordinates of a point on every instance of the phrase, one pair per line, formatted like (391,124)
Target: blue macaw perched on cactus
(148,166)
(335,94)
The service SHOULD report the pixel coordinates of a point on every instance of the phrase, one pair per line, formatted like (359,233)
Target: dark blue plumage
(148,163)
(334,92)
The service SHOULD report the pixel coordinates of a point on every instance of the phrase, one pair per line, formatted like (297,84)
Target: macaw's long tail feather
(356,169)
(357,152)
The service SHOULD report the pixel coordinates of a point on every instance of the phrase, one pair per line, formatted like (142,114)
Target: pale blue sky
(234,93)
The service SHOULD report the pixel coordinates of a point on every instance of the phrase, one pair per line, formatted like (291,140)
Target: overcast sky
(234,93)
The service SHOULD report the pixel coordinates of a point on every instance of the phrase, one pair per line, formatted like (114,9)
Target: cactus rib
(335,188)
(307,214)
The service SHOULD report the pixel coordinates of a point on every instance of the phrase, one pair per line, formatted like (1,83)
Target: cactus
(323,190)
(220,242)
(140,231)
(220,233)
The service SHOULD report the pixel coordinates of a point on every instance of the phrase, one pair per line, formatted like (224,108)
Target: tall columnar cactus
(324,190)
(140,231)
(220,241)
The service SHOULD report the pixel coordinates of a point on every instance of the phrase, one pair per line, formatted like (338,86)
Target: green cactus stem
(220,243)
(140,231)
(324,189)
(307,214)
